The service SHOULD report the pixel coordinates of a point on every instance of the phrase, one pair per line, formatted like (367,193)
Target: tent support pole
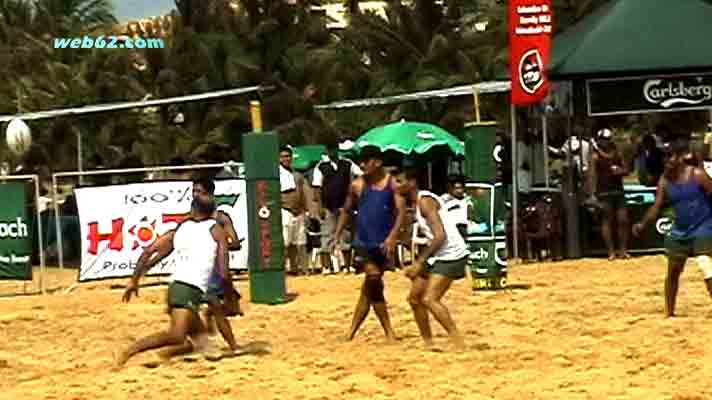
(545,138)
(515,184)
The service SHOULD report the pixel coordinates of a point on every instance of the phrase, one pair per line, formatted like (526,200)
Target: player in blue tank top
(688,189)
(381,211)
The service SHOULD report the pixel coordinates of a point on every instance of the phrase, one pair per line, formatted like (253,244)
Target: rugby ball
(18,136)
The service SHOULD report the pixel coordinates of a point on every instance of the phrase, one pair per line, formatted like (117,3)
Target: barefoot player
(688,188)
(381,212)
(200,245)
(439,264)
(218,308)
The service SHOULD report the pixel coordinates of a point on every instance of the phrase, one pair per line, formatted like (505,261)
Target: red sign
(142,233)
(530,26)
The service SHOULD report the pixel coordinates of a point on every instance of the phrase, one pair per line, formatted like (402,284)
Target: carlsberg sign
(670,93)
(15,233)
(649,94)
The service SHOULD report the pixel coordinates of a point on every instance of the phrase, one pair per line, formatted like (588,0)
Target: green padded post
(264,216)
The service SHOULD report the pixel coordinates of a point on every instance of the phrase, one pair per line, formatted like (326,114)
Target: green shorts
(184,295)
(684,248)
(454,269)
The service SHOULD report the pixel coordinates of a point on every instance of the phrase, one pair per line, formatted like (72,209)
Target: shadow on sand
(254,348)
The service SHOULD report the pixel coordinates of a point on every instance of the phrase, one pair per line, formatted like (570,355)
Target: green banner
(15,237)
(662,93)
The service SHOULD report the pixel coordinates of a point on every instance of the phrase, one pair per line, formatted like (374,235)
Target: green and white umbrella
(411,139)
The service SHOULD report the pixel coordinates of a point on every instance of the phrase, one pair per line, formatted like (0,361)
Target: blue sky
(126,10)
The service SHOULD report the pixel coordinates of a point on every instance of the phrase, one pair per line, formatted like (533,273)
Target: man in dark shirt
(331,182)
(650,162)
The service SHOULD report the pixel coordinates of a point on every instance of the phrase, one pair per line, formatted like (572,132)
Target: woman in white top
(439,264)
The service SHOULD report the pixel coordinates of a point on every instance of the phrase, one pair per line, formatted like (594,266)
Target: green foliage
(418,46)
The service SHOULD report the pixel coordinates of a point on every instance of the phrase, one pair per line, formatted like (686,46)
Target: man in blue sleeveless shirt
(381,211)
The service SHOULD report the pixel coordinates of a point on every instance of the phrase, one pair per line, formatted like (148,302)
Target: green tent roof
(307,156)
(629,37)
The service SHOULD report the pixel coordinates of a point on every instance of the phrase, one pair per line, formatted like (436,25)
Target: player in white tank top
(200,246)
(222,297)
(195,250)
(454,247)
(441,262)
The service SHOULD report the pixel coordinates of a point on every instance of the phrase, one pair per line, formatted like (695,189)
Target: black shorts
(611,201)
(363,256)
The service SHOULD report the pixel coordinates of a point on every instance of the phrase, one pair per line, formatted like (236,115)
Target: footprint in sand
(481,346)
(152,364)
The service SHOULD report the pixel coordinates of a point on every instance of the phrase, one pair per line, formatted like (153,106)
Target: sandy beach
(587,329)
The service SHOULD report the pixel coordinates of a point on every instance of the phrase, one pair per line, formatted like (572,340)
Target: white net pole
(40,234)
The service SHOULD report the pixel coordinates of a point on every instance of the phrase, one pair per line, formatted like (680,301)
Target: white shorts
(293,229)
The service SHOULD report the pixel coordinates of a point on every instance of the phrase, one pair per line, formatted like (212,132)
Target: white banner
(118,221)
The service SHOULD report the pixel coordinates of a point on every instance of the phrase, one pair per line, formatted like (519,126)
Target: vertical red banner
(530,27)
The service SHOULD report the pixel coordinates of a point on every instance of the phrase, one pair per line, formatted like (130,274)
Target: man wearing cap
(607,172)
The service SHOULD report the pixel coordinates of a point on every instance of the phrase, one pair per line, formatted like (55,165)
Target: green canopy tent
(634,37)
(636,56)
(639,56)
(307,156)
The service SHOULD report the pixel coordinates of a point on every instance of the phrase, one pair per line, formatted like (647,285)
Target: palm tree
(418,47)
(63,17)
(40,77)
(270,43)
